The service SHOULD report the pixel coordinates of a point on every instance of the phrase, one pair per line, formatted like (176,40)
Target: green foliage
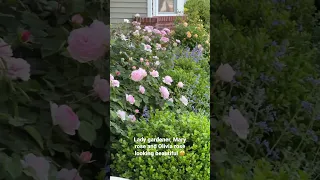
(195,163)
(198,11)
(270,46)
(198,35)
(196,79)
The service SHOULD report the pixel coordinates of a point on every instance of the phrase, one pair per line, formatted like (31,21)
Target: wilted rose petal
(5,49)
(238,123)
(184,100)
(225,73)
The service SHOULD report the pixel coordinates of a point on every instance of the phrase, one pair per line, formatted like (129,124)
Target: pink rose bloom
(148,29)
(64,117)
(121,115)
(115,83)
(5,49)
(164,92)
(134,67)
(158,46)
(154,73)
(65,174)
(111,77)
(156,31)
(77,19)
(167,30)
(17,68)
(167,79)
(180,84)
(103,31)
(118,73)
(147,63)
(130,99)
(89,43)
(163,33)
(138,75)
(147,47)
(142,89)
(132,117)
(40,165)
(85,157)
(164,39)
(136,111)
(101,88)
(141,59)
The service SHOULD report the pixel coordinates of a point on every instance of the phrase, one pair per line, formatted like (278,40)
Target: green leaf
(97,121)
(78,6)
(87,132)
(35,134)
(33,21)
(100,108)
(51,46)
(13,166)
(18,122)
(88,81)
(85,114)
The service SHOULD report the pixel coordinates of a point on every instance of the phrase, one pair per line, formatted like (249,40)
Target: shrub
(192,36)
(165,124)
(128,55)
(198,11)
(197,82)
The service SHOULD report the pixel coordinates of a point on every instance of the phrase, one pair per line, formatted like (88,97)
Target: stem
(283,132)
(82,98)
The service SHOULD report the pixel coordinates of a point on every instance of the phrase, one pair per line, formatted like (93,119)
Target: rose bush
(54,90)
(155,74)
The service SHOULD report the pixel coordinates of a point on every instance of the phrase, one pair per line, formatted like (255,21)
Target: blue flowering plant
(265,89)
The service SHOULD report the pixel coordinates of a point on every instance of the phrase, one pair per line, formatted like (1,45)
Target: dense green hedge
(164,124)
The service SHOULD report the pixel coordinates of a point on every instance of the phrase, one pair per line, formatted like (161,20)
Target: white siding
(126,9)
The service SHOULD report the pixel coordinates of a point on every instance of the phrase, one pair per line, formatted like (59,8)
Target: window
(165,7)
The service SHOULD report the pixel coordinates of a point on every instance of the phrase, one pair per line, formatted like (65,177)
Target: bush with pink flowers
(54,90)
(150,72)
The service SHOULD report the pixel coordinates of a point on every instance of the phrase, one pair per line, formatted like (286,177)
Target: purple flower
(277,22)
(264,126)
(313,135)
(278,65)
(307,106)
